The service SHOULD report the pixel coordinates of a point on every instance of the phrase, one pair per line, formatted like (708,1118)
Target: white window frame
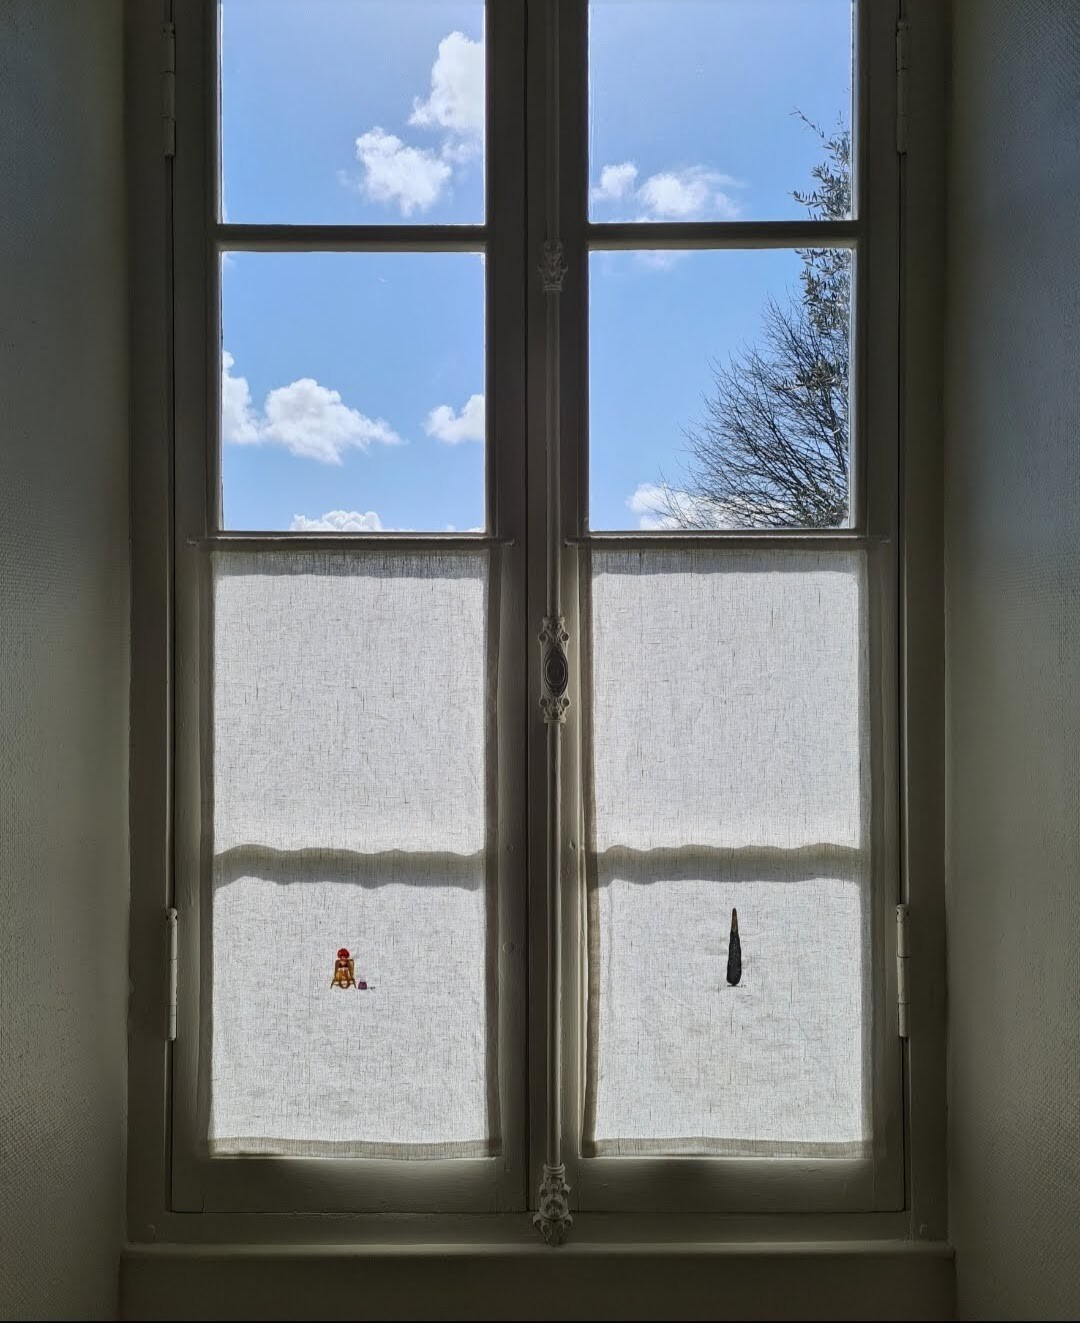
(255,1184)
(901,1192)
(558,187)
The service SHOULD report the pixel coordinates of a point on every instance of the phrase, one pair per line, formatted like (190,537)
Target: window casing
(537,529)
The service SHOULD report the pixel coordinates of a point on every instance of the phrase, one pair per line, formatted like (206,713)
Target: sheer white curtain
(729,770)
(349,726)
(727,767)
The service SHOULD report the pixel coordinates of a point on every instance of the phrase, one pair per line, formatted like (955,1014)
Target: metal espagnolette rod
(553,1219)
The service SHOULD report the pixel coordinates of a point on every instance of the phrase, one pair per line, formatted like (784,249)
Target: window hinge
(173,959)
(903,76)
(902,970)
(168,89)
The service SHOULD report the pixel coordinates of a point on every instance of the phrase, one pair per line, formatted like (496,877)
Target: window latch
(554,669)
(902,970)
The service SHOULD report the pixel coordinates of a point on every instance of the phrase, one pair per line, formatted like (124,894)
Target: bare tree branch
(772,447)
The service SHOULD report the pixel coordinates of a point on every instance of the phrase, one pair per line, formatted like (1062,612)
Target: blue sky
(353,383)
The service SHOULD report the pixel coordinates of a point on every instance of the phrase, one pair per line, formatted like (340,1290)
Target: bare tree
(772,448)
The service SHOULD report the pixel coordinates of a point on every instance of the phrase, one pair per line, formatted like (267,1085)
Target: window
(496,322)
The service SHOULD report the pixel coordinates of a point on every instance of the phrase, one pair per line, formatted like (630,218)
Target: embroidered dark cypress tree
(734,951)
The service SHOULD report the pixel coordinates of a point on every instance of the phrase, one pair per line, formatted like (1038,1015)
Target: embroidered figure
(734,951)
(344,970)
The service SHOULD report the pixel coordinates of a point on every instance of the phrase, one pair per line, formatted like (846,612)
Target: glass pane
(719,389)
(352,111)
(352,391)
(729,865)
(719,109)
(351,998)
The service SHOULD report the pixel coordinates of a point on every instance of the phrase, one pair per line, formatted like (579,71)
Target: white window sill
(522,1278)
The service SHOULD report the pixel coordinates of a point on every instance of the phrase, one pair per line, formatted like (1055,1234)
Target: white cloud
(338,521)
(686,194)
(456,102)
(238,422)
(659,506)
(661,259)
(649,502)
(309,420)
(413,177)
(615,182)
(692,193)
(468,425)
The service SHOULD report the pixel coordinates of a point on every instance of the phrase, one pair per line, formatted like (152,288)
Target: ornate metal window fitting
(554,669)
(552,267)
(553,1221)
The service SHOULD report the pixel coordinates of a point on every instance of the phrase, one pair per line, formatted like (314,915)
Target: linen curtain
(348,795)
(728,768)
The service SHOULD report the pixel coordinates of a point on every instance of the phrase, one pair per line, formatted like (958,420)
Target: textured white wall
(1013,611)
(63,657)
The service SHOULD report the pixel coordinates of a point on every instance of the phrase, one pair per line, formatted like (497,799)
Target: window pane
(352,111)
(730,773)
(349,815)
(719,389)
(353,391)
(717,109)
